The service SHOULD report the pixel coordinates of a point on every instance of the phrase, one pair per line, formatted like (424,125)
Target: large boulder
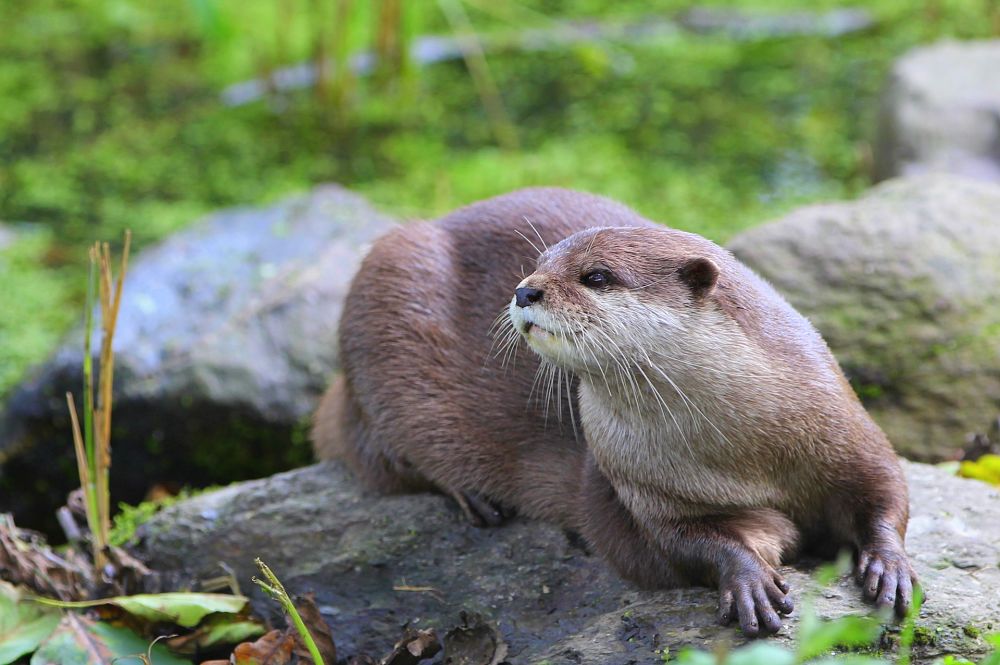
(941,111)
(903,283)
(377,563)
(6,237)
(225,340)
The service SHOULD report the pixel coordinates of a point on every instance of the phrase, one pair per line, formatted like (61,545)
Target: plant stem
(276,590)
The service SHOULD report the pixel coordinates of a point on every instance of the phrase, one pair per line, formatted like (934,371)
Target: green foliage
(23,626)
(38,304)
(78,640)
(110,118)
(129,518)
(818,641)
(186,609)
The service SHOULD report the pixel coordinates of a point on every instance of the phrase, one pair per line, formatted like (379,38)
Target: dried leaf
(361,659)
(475,642)
(415,646)
(27,560)
(274,648)
(318,628)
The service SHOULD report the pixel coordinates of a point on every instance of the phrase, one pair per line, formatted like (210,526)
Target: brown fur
(702,428)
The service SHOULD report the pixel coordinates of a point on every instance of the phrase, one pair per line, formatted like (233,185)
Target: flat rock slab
(377,563)
(225,340)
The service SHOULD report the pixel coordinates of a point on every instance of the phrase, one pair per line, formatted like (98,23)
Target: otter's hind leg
(340,432)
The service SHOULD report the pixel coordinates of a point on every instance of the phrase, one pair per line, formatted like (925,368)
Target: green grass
(110,119)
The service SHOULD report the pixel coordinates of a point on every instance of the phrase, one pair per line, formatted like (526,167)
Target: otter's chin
(553,347)
(533,330)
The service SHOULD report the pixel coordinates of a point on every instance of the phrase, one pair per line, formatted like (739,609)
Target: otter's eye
(596,279)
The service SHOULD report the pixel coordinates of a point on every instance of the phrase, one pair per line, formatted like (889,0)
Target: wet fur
(701,431)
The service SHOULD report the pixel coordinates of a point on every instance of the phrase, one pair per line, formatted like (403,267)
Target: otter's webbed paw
(756,596)
(479,510)
(886,577)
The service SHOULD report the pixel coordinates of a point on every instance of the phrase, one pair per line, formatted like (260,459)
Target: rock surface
(378,563)
(941,111)
(7,236)
(226,338)
(903,285)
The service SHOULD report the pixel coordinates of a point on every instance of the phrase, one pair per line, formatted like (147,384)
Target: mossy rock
(939,112)
(225,340)
(903,283)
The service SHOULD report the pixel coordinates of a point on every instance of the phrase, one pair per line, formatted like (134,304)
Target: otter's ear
(700,274)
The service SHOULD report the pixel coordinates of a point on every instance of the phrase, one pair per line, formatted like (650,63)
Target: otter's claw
(755,598)
(479,510)
(886,578)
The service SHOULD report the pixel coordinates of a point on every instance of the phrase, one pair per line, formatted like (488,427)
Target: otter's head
(611,296)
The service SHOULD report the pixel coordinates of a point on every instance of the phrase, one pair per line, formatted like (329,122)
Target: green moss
(971,631)
(38,304)
(129,518)
(924,636)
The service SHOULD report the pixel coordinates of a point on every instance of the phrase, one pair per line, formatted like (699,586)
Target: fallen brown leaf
(416,645)
(274,648)
(318,628)
(361,659)
(475,642)
(27,560)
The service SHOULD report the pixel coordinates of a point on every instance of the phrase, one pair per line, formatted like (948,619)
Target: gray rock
(903,285)
(941,111)
(379,562)
(7,237)
(225,339)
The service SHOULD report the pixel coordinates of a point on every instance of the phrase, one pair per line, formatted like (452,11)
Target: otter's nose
(527,295)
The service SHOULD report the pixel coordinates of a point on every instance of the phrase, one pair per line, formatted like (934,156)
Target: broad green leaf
(817,637)
(761,653)
(182,608)
(23,625)
(993,658)
(216,630)
(80,641)
(695,657)
(230,632)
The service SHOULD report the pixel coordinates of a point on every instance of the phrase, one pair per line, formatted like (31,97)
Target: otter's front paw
(886,577)
(756,595)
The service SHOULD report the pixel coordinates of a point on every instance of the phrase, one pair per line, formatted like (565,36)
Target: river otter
(676,411)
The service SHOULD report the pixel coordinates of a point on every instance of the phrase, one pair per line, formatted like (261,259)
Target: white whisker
(528,240)
(540,239)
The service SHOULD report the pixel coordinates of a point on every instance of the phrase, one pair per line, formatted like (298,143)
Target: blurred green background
(112,116)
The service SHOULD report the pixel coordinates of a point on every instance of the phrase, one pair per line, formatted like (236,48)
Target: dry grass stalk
(93,443)
(390,41)
(475,61)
